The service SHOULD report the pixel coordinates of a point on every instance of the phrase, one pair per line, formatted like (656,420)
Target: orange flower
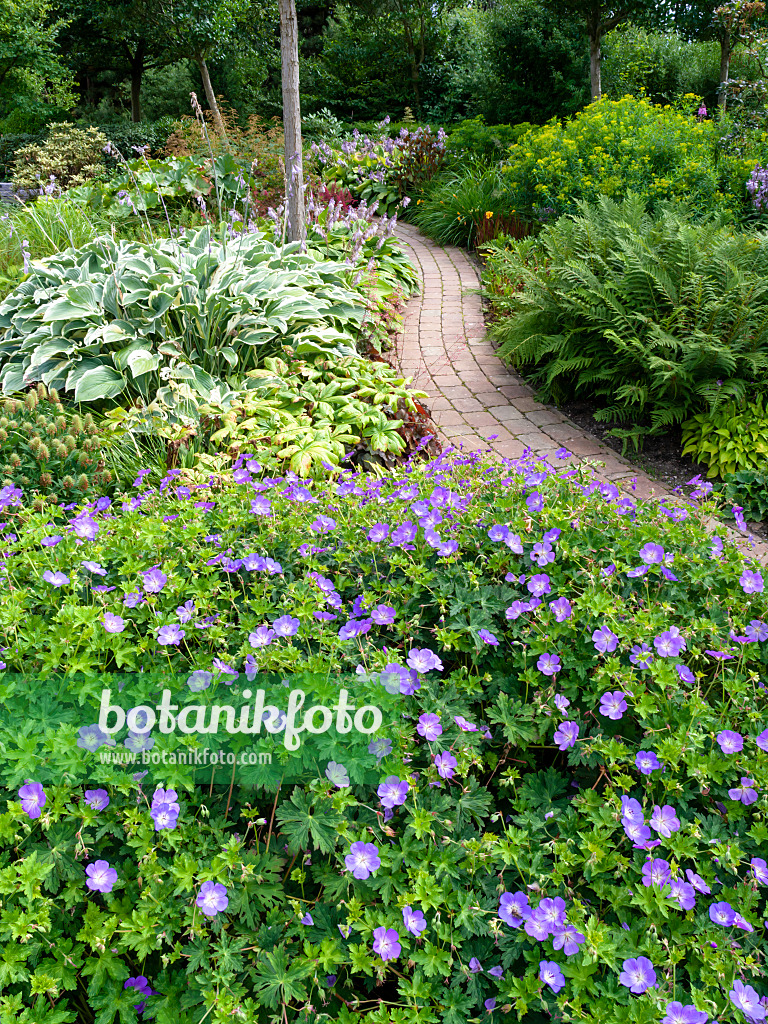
(488,214)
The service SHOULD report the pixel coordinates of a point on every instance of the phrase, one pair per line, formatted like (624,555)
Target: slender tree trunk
(296,229)
(594,62)
(137,73)
(725,67)
(218,121)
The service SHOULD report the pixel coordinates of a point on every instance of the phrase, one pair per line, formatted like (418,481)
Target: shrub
(122,318)
(564,784)
(488,142)
(613,148)
(467,208)
(650,317)
(9,146)
(46,450)
(70,155)
(731,437)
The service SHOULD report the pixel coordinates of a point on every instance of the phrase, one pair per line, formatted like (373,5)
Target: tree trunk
(137,73)
(218,121)
(294,165)
(594,62)
(725,66)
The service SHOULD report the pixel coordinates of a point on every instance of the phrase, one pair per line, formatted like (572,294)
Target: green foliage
(731,437)
(468,207)
(612,148)
(161,188)
(489,142)
(70,155)
(518,814)
(663,66)
(747,489)
(124,319)
(46,450)
(32,67)
(650,317)
(305,416)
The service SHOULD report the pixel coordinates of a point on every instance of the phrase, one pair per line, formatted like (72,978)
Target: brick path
(472,394)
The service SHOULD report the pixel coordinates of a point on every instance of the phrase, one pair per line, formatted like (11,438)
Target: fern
(653,318)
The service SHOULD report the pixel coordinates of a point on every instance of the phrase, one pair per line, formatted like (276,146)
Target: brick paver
(474,399)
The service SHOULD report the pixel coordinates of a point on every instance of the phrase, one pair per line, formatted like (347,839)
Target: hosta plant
(122,319)
(562,813)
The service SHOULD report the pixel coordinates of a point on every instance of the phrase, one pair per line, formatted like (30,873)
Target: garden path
(473,396)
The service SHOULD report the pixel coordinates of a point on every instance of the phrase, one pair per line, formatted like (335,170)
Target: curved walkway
(474,399)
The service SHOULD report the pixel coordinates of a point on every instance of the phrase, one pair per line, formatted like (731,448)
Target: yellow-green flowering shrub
(616,146)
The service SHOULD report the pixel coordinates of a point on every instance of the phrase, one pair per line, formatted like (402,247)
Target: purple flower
(286,625)
(90,737)
(656,872)
(751,582)
(56,579)
(722,913)
(566,735)
(475,966)
(542,554)
(669,644)
(429,727)
(568,939)
(496,972)
(535,501)
(212,898)
(170,635)
(548,664)
(664,820)
(515,610)
(631,809)
(613,705)
(685,674)
(446,765)
(730,742)
(561,702)
(641,655)
(386,942)
(756,631)
(378,532)
(392,792)
(383,615)
(51,542)
(604,640)
(463,724)
(32,798)
(759,870)
(538,585)
(561,609)
(679,1014)
(762,740)
(638,975)
(307,919)
(133,599)
(414,921)
(113,623)
(98,799)
(423,660)
(95,568)
(646,762)
(514,908)
(638,832)
(362,860)
(337,774)
(552,913)
(697,882)
(682,893)
(101,877)
(261,637)
(746,999)
(550,974)
(652,554)
(154,581)
(165,815)
(490,1004)
(487,637)
(323,524)
(745,793)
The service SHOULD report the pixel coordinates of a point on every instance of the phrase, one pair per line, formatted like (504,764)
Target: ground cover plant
(652,317)
(564,813)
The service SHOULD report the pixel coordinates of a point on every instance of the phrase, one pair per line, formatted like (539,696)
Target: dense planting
(567,814)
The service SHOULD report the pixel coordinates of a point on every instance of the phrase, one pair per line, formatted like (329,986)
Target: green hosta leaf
(99,383)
